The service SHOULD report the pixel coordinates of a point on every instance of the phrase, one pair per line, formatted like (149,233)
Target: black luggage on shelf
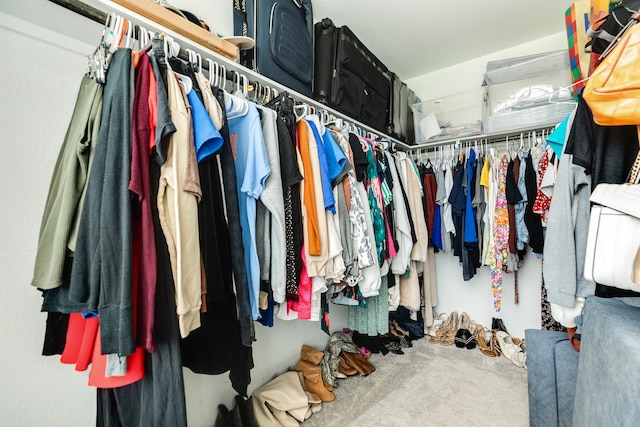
(349,78)
(398,108)
(283,34)
(400,113)
(410,134)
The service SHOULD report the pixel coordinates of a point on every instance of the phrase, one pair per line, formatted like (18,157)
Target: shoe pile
(465,333)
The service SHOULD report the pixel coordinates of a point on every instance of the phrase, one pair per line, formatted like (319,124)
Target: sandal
(463,335)
(481,339)
(438,321)
(443,329)
(449,336)
(495,344)
(471,343)
(510,350)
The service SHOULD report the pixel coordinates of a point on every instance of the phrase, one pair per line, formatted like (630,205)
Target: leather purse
(613,89)
(613,244)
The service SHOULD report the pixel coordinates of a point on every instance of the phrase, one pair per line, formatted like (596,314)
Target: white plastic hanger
(301,111)
(213,71)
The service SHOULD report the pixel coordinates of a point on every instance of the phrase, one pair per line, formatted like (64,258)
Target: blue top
(470,234)
(327,191)
(558,137)
(252,171)
(207,138)
(335,157)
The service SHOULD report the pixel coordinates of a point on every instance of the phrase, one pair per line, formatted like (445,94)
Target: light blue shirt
(252,171)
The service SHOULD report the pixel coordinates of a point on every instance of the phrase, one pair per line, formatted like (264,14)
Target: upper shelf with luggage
(329,64)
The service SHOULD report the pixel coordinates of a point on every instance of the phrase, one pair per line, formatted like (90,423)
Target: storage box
(543,115)
(451,116)
(528,91)
(529,81)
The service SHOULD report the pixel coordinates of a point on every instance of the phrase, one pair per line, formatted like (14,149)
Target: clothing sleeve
(258,169)
(565,243)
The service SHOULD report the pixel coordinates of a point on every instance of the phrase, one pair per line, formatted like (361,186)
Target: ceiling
(415,37)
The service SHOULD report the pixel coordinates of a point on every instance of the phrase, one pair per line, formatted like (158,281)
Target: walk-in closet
(241,213)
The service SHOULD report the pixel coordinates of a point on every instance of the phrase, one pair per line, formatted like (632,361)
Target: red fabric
(153,109)
(82,334)
(135,361)
(305,290)
(135,369)
(142,221)
(430,188)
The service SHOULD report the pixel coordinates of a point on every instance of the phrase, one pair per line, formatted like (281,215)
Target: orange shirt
(313,232)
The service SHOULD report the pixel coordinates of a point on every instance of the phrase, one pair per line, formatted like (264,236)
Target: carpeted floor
(430,385)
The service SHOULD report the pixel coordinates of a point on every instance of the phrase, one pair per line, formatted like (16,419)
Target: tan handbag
(613,89)
(613,245)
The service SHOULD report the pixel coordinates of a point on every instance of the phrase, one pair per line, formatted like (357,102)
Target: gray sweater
(566,239)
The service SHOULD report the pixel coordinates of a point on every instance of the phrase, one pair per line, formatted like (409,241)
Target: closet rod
(495,140)
(495,137)
(97,10)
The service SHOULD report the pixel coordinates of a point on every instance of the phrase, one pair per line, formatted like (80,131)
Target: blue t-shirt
(252,171)
(470,235)
(557,138)
(327,191)
(335,157)
(207,138)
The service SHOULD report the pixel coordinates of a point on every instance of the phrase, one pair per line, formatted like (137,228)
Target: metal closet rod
(100,16)
(490,138)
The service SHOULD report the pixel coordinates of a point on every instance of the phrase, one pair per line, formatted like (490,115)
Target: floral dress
(500,249)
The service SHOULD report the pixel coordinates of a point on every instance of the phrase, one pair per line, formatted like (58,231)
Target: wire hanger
(566,88)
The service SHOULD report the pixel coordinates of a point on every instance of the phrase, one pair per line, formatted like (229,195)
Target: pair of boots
(355,363)
(309,366)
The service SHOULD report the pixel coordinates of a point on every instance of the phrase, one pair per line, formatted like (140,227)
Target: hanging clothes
(499,253)
(252,170)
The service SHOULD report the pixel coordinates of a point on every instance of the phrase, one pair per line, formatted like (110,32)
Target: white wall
(469,74)
(39,78)
(475,296)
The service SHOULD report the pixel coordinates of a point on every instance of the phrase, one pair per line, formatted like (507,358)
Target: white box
(527,82)
(451,116)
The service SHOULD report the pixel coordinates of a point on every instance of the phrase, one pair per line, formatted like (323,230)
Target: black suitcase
(283,34)
(401,125)
(349,78)
(409,132)
(397,124)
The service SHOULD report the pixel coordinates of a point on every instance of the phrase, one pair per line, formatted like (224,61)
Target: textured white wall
(469,74)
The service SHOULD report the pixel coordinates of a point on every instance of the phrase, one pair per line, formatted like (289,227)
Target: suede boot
(345,368)
(358,362)
(313,380)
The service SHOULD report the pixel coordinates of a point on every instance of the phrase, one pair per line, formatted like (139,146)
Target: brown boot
(345,368)
(358,361)
(313,380)
(311,355)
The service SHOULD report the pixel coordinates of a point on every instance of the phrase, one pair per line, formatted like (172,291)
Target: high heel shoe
(510,350)
(463,335)
(449,336)
(443,329)
(484,345)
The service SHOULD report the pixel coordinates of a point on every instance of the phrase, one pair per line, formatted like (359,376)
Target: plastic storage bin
(451,116)
(527,91)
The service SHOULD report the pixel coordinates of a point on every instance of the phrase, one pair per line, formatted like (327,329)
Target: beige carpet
(430,385)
